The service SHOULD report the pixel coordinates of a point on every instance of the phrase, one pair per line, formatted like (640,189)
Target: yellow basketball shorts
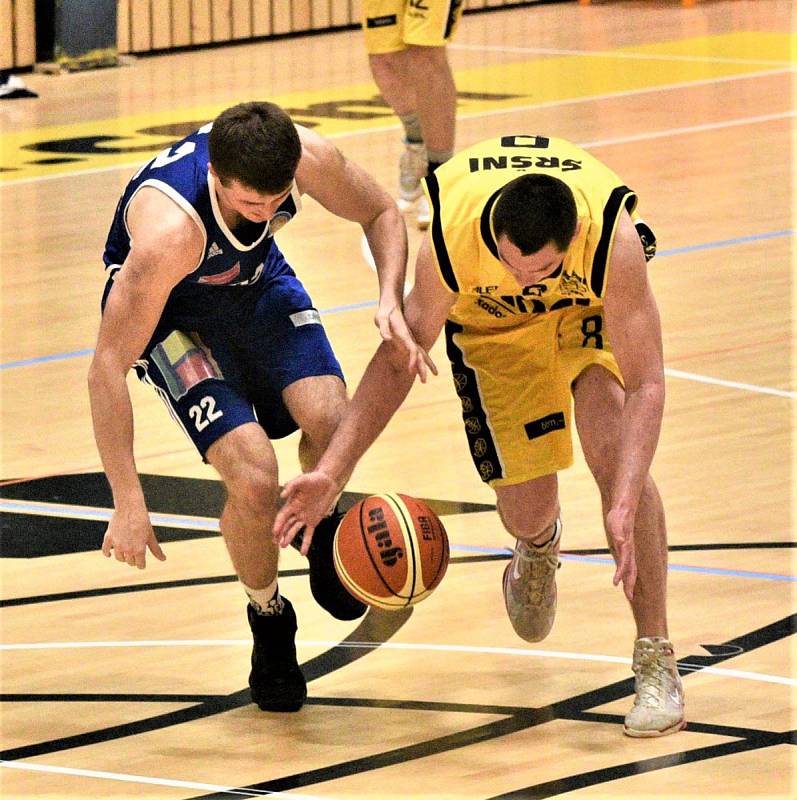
(515,386)
(392,25)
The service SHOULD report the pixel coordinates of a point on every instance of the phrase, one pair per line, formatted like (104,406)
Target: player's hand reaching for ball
(307,498)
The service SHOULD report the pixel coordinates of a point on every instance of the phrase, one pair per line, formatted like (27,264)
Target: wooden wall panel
(355,11)
(25,33)
(242,19)
(161,24)
(6,34)
(341,12)
(321,15)
(141,31)
(301,15)
(280,16)
(200,21)
(181,22)
(261,17)
(221,20)
(123,26)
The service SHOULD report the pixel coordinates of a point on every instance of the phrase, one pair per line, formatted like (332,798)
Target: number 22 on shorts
(205,412)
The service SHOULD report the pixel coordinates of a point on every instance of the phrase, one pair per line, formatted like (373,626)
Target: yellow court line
(102,144)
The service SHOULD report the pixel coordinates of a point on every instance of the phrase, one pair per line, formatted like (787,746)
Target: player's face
(248,202)
(531,269)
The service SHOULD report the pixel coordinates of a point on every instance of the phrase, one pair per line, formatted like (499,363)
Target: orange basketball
(391,550)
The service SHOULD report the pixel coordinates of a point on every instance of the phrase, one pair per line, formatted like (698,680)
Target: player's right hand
(394,329)
(128,536)
(307,498)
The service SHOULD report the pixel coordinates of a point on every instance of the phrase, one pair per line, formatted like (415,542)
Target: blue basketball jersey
(231,260)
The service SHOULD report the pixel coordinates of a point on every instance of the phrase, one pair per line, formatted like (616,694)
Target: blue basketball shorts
(223,373)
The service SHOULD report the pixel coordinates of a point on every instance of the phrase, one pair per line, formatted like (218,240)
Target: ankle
(266,602)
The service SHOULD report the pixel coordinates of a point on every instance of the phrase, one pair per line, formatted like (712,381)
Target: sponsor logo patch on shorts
(183,363)
(381,22)
(309,317)
(539,427)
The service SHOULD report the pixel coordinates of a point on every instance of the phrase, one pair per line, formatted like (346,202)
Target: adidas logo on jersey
(214,250)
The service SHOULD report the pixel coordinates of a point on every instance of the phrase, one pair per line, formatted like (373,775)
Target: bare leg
(599,404)
(419,79)
(529,512)
(245,460)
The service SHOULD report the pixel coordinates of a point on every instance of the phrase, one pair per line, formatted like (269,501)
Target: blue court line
(758,237)
(198,523)
(29,362)
(730,573)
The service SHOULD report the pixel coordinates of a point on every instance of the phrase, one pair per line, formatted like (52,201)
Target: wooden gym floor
(132,684)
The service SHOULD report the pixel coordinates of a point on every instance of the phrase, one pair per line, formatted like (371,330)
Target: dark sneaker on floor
(325,585)
(276,681)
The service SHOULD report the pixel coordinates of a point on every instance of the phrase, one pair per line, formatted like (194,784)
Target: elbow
(102,372)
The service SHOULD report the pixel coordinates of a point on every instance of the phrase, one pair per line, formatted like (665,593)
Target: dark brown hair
(257,145)
(533,210)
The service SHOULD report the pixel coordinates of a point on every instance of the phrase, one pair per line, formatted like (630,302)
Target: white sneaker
(530,587)
(659,705)
(412,167)
(423,215)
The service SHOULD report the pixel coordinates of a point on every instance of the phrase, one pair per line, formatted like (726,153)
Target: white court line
(444,648)
(481,114)
(709,126)
(187,521)
(120,776)
(551,51)
(748,387)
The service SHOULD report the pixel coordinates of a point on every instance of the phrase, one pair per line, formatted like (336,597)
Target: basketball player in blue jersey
(536,267)
(200,300)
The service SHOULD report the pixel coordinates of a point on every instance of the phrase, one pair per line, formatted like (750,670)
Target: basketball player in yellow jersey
(406,43)
(536,266)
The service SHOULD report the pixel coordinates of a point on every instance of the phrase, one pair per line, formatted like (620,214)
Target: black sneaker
(276,681)
(325,585)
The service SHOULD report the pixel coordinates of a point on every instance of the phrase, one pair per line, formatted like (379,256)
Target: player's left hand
(620,533)
(307,499)
(393,328)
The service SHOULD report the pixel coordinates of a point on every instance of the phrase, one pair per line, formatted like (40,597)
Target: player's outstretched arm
(381,391)
(165,248)
(348,191)
(633,324)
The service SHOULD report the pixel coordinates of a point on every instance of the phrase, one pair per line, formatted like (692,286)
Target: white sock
(266,602)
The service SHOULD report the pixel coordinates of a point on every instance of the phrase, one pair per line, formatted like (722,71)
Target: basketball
(391,551)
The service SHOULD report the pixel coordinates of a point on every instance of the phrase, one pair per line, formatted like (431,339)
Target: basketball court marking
(616,54)
(120,776)
(569,80)
(410,646)
(184,522)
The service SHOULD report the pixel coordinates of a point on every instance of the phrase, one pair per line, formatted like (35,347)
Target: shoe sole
(635,734)
(281,707)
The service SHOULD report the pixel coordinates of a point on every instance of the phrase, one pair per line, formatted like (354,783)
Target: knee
(425,60)
(529,517)
(254,487)
(320,423)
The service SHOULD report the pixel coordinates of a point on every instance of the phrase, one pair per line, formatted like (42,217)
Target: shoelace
(542,566)
(652,679)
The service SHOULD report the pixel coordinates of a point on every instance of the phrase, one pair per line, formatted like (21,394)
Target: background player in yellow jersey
(536,266)
(406,43)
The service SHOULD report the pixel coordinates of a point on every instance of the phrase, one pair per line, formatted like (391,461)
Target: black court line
(595,777)
(373,629)
(292,573)
(573,708)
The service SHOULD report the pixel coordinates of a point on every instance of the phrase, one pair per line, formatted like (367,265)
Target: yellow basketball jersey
(462,194)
